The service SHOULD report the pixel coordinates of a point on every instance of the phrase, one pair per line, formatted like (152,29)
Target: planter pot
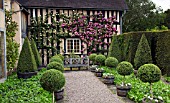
(93,68)
(144,100)
(99,73)
(59,94)
(123,90)
(26,75)
(108,80)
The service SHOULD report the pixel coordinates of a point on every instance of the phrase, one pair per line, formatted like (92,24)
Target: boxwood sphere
(55,65)
(100,59)
(56,59)
(59,56)
(52,80)
(92,57)
(149,73)
(124,68)
(111,62)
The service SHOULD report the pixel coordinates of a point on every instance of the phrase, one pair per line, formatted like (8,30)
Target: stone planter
(59,94)
(145,100)
(123,90)
(99,73)
(26,75)
(93,68)
(108,80)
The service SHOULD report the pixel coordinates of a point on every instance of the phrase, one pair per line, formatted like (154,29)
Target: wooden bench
(76,63)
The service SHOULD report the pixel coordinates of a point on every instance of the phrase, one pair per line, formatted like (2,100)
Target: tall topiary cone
(36,53)
(143,53)
(114,50)
(26,62)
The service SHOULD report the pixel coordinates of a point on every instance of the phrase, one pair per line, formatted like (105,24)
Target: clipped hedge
(36,53)
(55,65)
(100,59)
(56,59)
(159,43)
(26,62)
(92,57)
(111,62)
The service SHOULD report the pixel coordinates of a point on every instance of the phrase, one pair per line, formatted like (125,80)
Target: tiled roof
(77,4)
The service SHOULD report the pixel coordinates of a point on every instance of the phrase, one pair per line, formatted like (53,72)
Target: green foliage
(124,68)
(139,90)
(143,53)
(167,18)
(100,59)
(56,59)
(52,80)
(60,56)
(36,53)
(149,73)
(111,62)
(15,90)
(11,45)
(55,65)
(114,49)
(92,57)
(26,62)
(158,29)
(142,15)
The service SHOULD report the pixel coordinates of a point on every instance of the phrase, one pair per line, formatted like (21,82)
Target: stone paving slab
(84,87)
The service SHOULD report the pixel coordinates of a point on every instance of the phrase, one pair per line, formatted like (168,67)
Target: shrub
(36,53)
(111,62)
(56,59)
(143,53)
(26,62)
(52,80)
(114,49)
(149,73)
(55,65)
(92,57)
(59,56)
(100,59)
(124,68)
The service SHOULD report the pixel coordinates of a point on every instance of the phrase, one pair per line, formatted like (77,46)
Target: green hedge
(159,43)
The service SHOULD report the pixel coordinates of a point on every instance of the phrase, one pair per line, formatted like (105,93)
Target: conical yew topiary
(36,53)
(26,62)
(114,49)
(143,53)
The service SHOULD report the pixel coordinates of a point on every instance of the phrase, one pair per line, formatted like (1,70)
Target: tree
(167,18)
(142,15)
(114,49)
(143,53)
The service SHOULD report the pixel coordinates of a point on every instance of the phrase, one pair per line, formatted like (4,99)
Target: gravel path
(84,87)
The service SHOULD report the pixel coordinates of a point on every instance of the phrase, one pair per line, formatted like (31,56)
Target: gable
(77,4)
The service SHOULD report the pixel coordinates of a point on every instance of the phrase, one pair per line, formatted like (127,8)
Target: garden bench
(76,62)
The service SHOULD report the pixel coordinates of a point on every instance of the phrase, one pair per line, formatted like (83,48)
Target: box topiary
(100,59)
(59,56)
(92,57)
(111,62)
(55,65)
(56,59)
(36,53)
(26,62)
(149,73)
(52,81)
(143,53)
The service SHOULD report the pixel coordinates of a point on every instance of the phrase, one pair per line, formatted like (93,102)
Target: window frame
(73,39)
(2,5)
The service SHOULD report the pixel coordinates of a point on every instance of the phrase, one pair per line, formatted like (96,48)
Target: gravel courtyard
(84,87)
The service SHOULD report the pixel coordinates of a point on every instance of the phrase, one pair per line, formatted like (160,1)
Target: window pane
(1,4)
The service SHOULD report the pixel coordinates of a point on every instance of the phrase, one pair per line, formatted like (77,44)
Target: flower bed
(15,90)
(139,89)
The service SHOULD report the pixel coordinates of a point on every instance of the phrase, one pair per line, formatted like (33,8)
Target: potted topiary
(111,62)
(124,68)
(53,81)
(59,56)
(150,73)
(92,58)
(36,54)
(108,78)
(55,65)
(99,72)
(27,66)
(56,59)
(100,59)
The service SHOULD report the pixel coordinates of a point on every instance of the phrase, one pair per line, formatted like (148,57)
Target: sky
(165,4)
